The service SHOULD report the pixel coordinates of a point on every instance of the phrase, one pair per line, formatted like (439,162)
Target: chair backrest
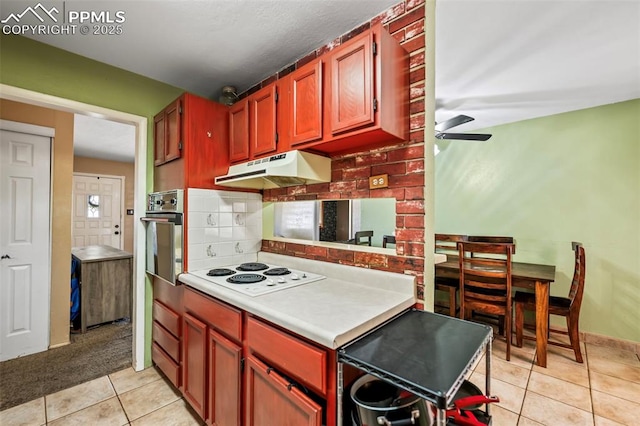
(448,243)
(577,284)
(493,239)
(363,234)
(388,239)
(485,275)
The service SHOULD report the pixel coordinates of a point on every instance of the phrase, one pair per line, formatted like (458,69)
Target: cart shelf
(424,353)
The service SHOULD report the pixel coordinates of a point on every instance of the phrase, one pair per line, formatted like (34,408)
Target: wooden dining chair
(448,244)
(388,239)
(485,282)
(569,307)
(493,239)
(363,237)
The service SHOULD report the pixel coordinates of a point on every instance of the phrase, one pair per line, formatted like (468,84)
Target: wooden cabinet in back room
(200,127)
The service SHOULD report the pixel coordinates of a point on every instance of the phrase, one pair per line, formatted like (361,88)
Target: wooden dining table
(523,275)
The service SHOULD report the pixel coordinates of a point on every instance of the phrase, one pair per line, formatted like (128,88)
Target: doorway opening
(140,190)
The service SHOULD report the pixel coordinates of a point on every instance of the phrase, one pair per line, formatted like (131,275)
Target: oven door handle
(151,219)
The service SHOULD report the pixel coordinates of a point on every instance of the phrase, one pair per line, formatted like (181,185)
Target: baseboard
(599,339)
(59,345)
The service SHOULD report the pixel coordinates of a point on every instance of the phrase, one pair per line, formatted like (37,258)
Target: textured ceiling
(498,61)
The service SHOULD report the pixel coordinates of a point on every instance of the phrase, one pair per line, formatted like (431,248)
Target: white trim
(32,129)
(140,192)
(122,197)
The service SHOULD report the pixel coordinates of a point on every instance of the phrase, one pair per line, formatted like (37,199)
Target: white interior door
(97,207)
(25,174)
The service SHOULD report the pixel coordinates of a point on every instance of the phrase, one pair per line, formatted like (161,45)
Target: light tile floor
(603,391)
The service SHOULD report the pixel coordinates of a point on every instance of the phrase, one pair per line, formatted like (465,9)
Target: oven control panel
(167,201)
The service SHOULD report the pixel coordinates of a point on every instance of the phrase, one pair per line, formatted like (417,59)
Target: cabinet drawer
(164,362)
(165,316)
(222,317)
(166,341)
(294,357)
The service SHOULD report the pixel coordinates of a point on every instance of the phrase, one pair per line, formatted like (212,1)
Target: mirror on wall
(360,221)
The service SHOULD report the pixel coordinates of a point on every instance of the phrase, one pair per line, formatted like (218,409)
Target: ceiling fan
(456,121)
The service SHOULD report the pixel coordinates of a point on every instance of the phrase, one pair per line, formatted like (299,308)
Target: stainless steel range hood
(287,169)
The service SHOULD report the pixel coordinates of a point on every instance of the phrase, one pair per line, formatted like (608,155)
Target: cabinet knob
(209,134)
(117,233)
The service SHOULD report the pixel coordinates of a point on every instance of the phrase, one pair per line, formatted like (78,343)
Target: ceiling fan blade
(453,122)
(464,136)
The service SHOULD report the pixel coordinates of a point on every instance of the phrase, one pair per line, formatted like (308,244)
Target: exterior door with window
(97,211)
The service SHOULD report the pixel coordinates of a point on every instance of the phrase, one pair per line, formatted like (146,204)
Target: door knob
(5,256)
(117,233)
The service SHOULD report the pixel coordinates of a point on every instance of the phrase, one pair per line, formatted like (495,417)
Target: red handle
(475,400)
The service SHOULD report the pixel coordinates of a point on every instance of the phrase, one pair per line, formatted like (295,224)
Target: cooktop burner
(220,272)
(246,278)
(277,271)
(252,266)
(266,279)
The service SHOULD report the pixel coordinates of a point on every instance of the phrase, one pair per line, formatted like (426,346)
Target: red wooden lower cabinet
(211,366)
(271,400)
(166,329)
(194,344)
(225,381)
(217,337)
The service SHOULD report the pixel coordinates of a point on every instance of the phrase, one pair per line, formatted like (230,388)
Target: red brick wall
(403,162)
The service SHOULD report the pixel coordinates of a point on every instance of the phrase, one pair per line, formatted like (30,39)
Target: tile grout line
(119,400)
(526,388)
(46,420)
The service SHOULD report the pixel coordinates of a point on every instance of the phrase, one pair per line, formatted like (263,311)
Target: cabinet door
(173,132)
(305,103)
(239,131)
(271,401)
(224,381)
(194,347)
(158,138)
(263,120)
(352,84)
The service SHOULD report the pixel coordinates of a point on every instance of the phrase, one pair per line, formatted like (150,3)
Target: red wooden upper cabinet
(367,89)
(352,88)
(239,131)
(305,103)
(168,133)
(262,119)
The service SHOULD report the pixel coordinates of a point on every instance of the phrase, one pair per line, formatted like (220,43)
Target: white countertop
(330,312)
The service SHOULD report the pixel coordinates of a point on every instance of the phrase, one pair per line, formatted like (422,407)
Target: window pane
(93,206)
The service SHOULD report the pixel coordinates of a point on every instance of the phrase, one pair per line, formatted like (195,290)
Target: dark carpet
(102,350)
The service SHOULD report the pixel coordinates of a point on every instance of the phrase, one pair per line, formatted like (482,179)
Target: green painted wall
(547,182)
(41,68)
(378,215)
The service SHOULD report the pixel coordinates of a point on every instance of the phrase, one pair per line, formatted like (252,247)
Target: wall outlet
(379,181)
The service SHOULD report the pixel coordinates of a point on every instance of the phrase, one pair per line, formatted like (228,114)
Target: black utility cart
(427,354)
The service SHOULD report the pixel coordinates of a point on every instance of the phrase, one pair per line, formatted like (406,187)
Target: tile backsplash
(224,228)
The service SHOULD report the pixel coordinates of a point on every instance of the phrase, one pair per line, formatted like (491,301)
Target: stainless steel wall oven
(163,222)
